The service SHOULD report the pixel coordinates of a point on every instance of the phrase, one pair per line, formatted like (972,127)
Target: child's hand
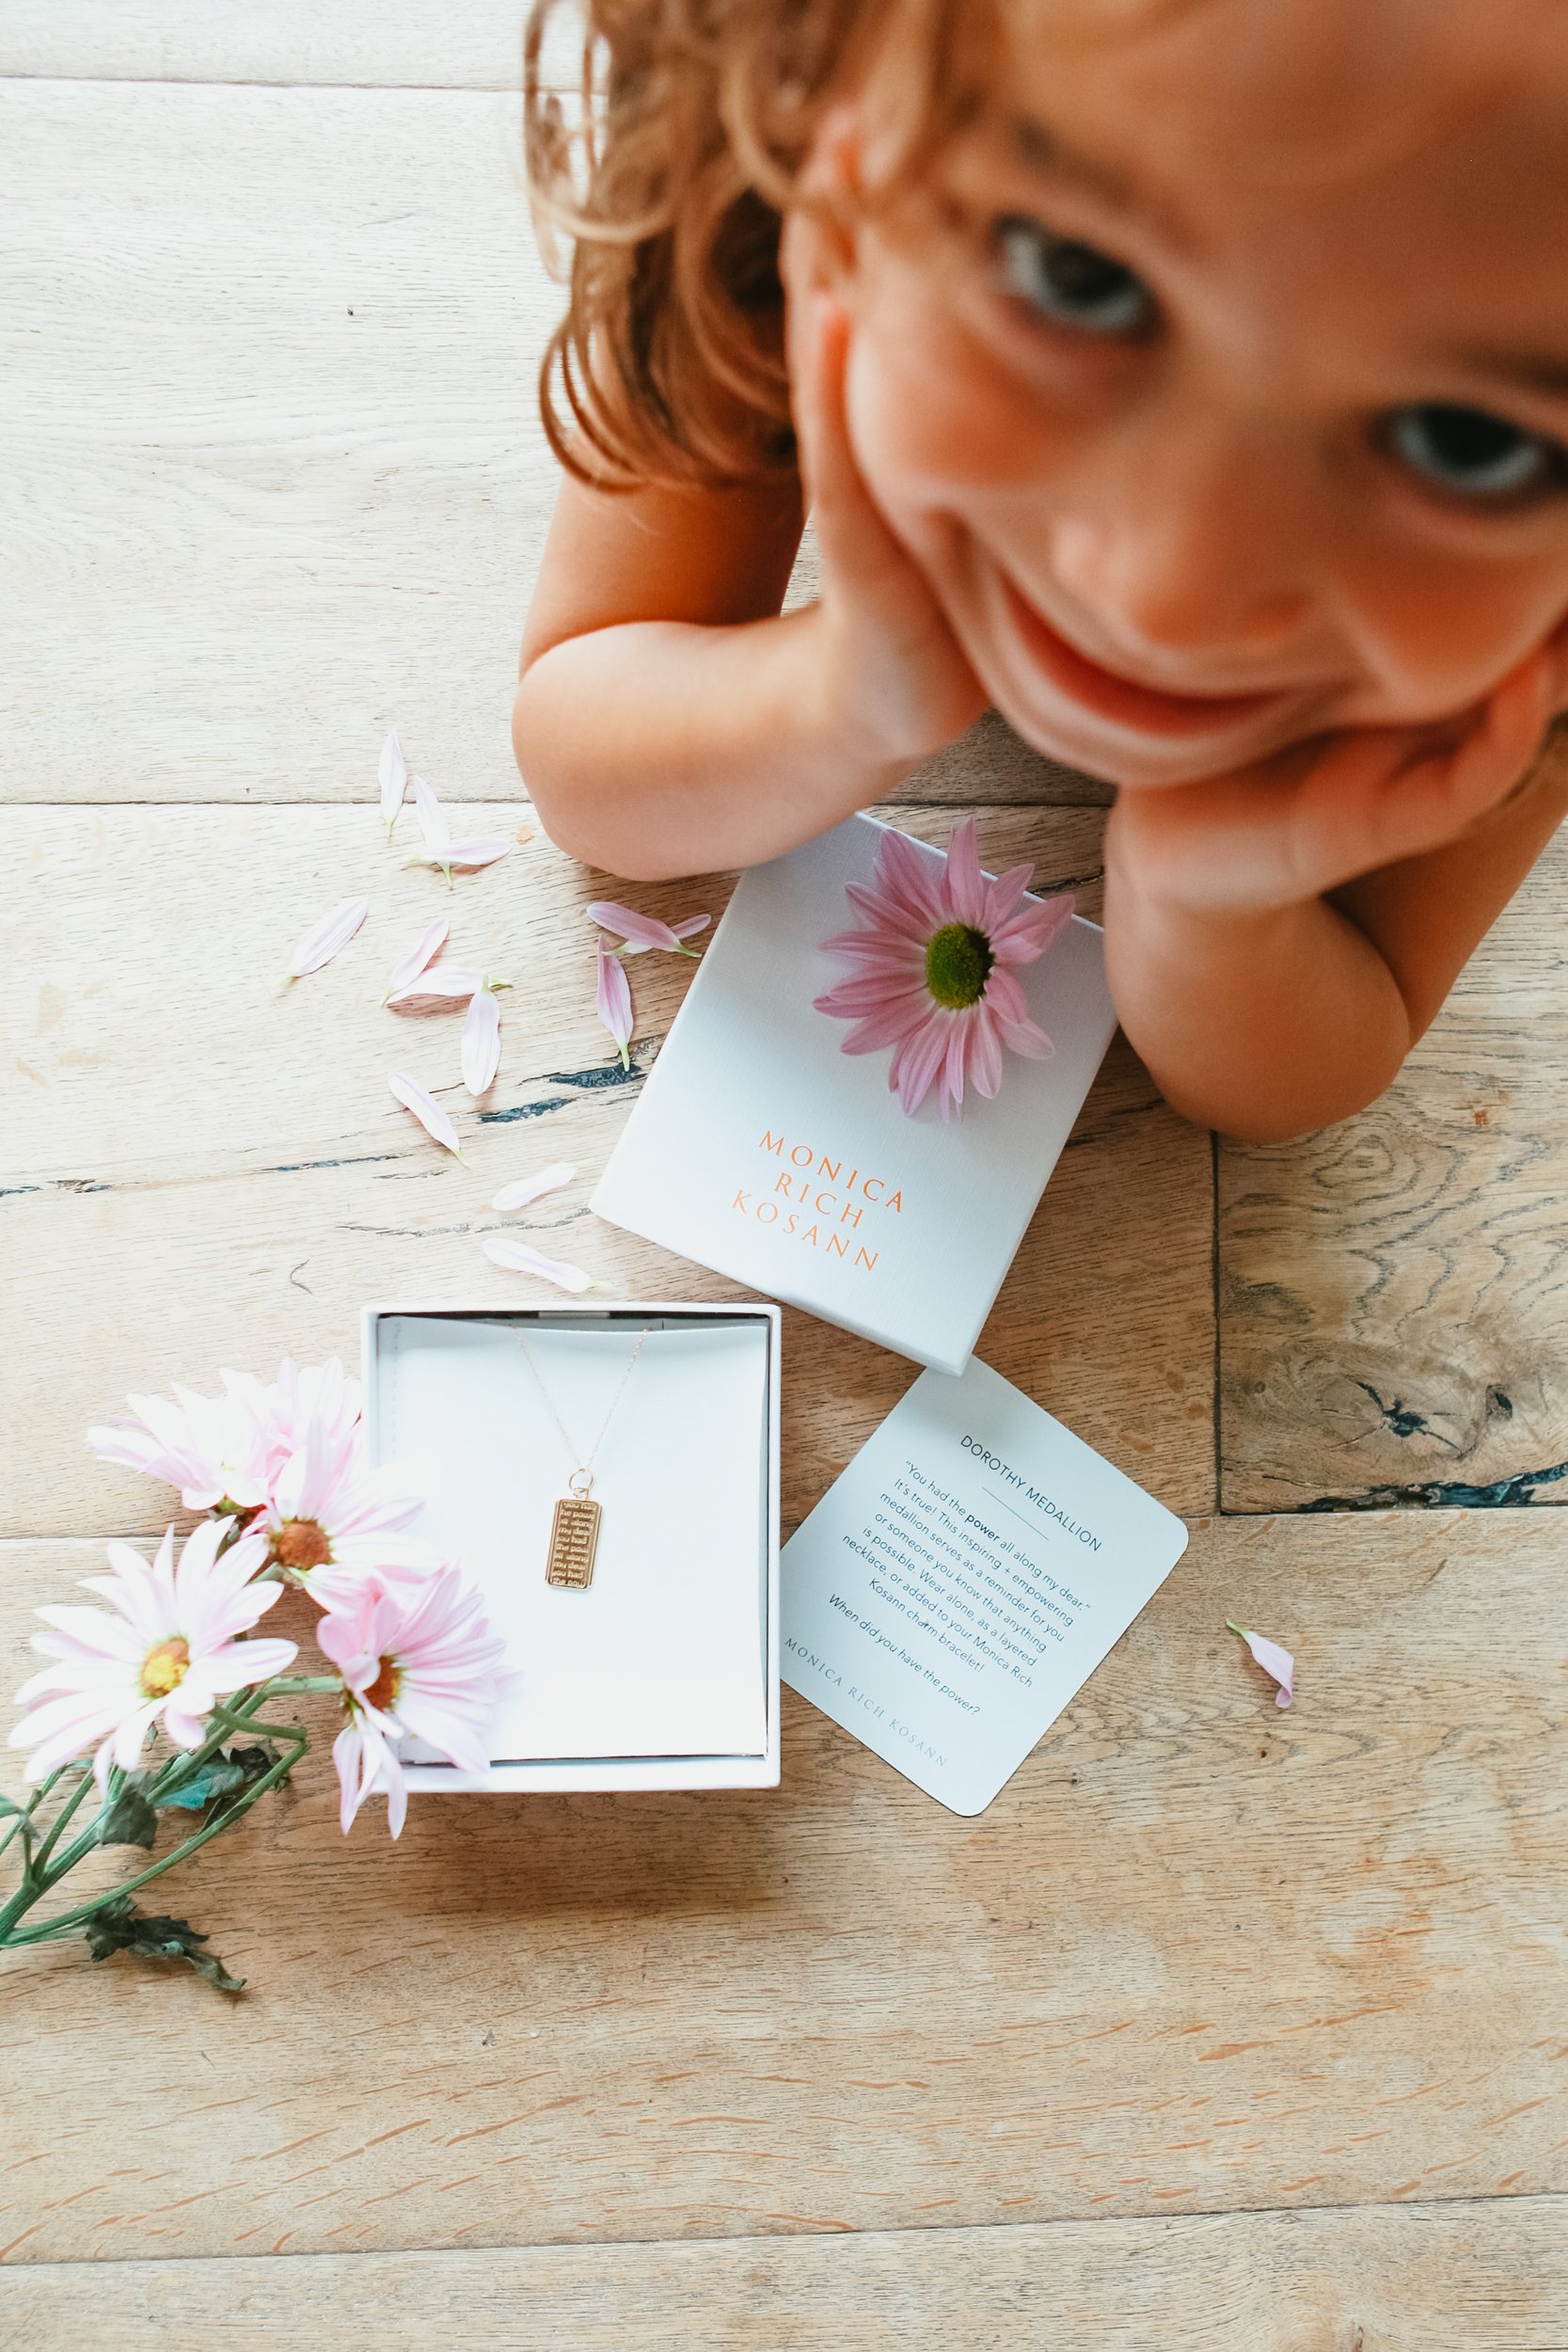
(1322,814)
(896,682)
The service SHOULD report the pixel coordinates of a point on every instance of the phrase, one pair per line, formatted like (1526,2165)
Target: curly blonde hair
(694,119)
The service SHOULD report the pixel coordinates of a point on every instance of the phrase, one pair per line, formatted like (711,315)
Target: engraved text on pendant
(574,1540)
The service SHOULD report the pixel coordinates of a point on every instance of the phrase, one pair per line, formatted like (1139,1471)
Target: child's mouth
(1123,702)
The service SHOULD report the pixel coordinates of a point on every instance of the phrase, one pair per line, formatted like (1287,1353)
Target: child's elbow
(576,818)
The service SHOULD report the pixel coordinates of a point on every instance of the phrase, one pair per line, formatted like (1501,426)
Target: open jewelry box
(662,1672)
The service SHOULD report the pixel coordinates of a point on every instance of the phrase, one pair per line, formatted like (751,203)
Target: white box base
(759,1766)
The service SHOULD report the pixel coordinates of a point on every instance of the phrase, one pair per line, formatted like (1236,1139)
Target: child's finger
(1363,809)
(1318,817)
(856,543)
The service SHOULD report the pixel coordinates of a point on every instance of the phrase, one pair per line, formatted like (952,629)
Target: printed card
(962,1580)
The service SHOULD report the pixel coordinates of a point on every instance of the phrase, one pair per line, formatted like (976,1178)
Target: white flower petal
(481,1043)
(428,947)
(433,828)
(431,1118)
(528,1188)
(504,1249)
(448,984)
(393,778)
(323,941)
(483,850)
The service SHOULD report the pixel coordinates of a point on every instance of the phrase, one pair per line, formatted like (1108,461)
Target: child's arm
(1279,939)
(668,720)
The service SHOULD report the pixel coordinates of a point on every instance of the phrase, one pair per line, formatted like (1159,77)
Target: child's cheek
(939,429)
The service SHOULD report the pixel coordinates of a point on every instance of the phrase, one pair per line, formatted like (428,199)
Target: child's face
(1219,383)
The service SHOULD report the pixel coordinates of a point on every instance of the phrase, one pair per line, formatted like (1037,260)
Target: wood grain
(200,1171)
(463,44)
(1466,2276)
(1393,1291)
(275,473)
(1201,1955)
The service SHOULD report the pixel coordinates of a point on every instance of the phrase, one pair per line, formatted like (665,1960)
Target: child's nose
(1196,554)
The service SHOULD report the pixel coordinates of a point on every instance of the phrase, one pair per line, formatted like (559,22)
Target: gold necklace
(574,1529)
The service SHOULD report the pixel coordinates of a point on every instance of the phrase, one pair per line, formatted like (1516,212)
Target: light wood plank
(1200,1955)
(1392,1291)
(463,44)
(274,474)
(200,1172)
(1462,2277)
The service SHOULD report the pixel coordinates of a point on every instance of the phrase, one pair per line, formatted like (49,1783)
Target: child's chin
(1137,764)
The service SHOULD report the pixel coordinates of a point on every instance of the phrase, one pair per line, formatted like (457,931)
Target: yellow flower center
(383,1692)
(163,1669)
(301,1545)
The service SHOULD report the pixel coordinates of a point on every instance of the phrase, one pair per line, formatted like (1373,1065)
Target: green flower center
(959,963)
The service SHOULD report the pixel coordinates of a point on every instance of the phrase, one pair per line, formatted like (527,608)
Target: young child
(1186,378)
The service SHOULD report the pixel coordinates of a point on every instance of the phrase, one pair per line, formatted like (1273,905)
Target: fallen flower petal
(433,828)
(448,984)
(482,851)
(614,1001)
(323,941)
(393,775)
(414,962)
(641,931)
(1274,1660)
(530,1189)
(431,1118)
(518,1258)
(481,1043)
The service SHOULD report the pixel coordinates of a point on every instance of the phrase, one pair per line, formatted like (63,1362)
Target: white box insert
(665,1673)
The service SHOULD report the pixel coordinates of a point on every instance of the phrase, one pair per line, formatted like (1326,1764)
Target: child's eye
(1468,452)
(1074,284)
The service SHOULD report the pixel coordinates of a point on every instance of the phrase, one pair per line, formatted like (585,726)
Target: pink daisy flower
(214,1448)
(934,968)
(163,1652)
(421,1665)
(330,1521)
(225,1453)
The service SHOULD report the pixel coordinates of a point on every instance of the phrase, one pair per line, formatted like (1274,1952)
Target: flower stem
(21,1824)
(65,1920)
(61,1818)
(40,1876)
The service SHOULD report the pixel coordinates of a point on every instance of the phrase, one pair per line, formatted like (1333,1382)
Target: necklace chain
(584,1468)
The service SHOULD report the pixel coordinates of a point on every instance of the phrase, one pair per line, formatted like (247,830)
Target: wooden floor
(1225,2026)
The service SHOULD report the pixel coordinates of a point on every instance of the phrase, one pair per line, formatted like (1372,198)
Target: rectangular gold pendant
(574,1540)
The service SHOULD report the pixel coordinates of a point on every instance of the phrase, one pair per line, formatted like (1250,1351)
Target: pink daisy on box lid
(423,1665)
(934,968)
(164,1651)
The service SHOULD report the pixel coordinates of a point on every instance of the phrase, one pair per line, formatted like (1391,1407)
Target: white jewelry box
(675,1646)
(758,1146)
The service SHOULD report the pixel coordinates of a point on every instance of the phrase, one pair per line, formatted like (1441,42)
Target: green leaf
(214,1779)
(221,1778)
(6,1806)
(120,1927)
(130,1819)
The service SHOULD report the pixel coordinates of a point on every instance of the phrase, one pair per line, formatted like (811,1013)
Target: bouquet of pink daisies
(158,1700)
